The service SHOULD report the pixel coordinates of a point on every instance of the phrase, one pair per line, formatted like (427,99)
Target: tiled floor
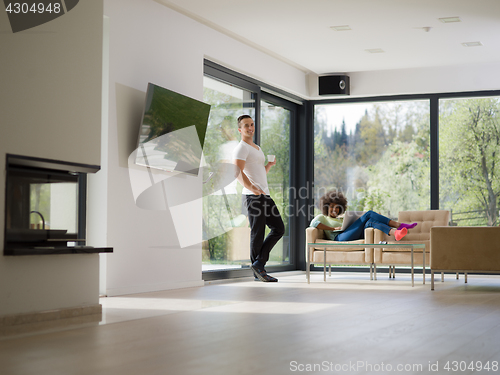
(348,325)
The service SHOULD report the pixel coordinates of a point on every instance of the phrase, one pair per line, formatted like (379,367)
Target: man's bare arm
(269,165)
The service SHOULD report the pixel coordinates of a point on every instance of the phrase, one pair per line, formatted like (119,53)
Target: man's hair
(335,197)
(242,117)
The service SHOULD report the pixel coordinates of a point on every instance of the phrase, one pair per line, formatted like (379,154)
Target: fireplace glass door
(41,209)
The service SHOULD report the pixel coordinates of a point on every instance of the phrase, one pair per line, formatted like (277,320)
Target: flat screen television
(172,131)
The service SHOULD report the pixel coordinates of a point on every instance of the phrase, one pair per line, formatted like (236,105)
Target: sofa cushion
(415,237)
(407,249)
(339,257)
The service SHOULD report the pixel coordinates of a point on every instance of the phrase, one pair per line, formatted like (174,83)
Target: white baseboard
(120,291)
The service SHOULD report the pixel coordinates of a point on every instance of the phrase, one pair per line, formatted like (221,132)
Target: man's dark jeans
(262,211)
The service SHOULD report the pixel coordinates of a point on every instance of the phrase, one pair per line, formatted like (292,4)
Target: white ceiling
(299,31)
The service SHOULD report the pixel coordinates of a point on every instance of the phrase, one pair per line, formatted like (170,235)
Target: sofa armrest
(378,236)
(312,234)
(369,238)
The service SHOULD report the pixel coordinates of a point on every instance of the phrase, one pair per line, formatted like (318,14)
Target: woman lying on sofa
(334,204)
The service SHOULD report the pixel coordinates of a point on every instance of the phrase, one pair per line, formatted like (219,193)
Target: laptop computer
(350,217)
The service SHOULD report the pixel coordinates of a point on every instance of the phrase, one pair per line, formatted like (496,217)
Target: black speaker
(334,85)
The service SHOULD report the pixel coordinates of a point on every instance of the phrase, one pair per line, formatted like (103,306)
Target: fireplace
(45,210)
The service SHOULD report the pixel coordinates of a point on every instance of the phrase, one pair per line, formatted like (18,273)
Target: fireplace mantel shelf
(58,250)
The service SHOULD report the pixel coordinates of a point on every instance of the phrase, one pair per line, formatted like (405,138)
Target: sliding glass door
(226,231)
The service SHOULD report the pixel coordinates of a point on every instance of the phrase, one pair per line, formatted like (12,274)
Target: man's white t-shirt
(254,166)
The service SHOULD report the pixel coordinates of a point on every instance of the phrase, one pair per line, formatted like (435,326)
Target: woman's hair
(335,197)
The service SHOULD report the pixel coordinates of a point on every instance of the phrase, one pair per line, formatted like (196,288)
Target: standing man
(262,210)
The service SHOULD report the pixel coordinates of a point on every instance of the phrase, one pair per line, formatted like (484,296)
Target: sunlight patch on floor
(261,307)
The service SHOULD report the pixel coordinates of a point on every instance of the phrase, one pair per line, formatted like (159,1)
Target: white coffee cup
(270,158)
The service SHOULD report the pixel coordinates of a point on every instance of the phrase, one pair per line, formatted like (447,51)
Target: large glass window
(377,154)
(469,160)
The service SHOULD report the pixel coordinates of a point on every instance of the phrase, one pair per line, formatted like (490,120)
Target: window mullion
(434,143)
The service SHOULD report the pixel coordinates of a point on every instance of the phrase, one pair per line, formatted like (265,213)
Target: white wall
(50,103)
(458,78)
(149,42)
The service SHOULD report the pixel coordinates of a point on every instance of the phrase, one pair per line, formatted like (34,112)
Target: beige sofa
(465,249)
(357,255)
(421,234)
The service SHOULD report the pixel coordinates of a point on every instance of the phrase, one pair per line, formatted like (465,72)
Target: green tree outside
(469,164)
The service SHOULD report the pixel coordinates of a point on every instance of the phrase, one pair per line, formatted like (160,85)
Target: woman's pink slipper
(407,226)
(400,233)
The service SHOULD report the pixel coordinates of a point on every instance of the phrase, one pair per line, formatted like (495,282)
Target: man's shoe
(272,279)
(261,274)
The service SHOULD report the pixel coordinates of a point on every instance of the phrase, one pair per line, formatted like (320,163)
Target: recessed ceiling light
(450,19)
(472,44)
(341,28)
(375,50)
